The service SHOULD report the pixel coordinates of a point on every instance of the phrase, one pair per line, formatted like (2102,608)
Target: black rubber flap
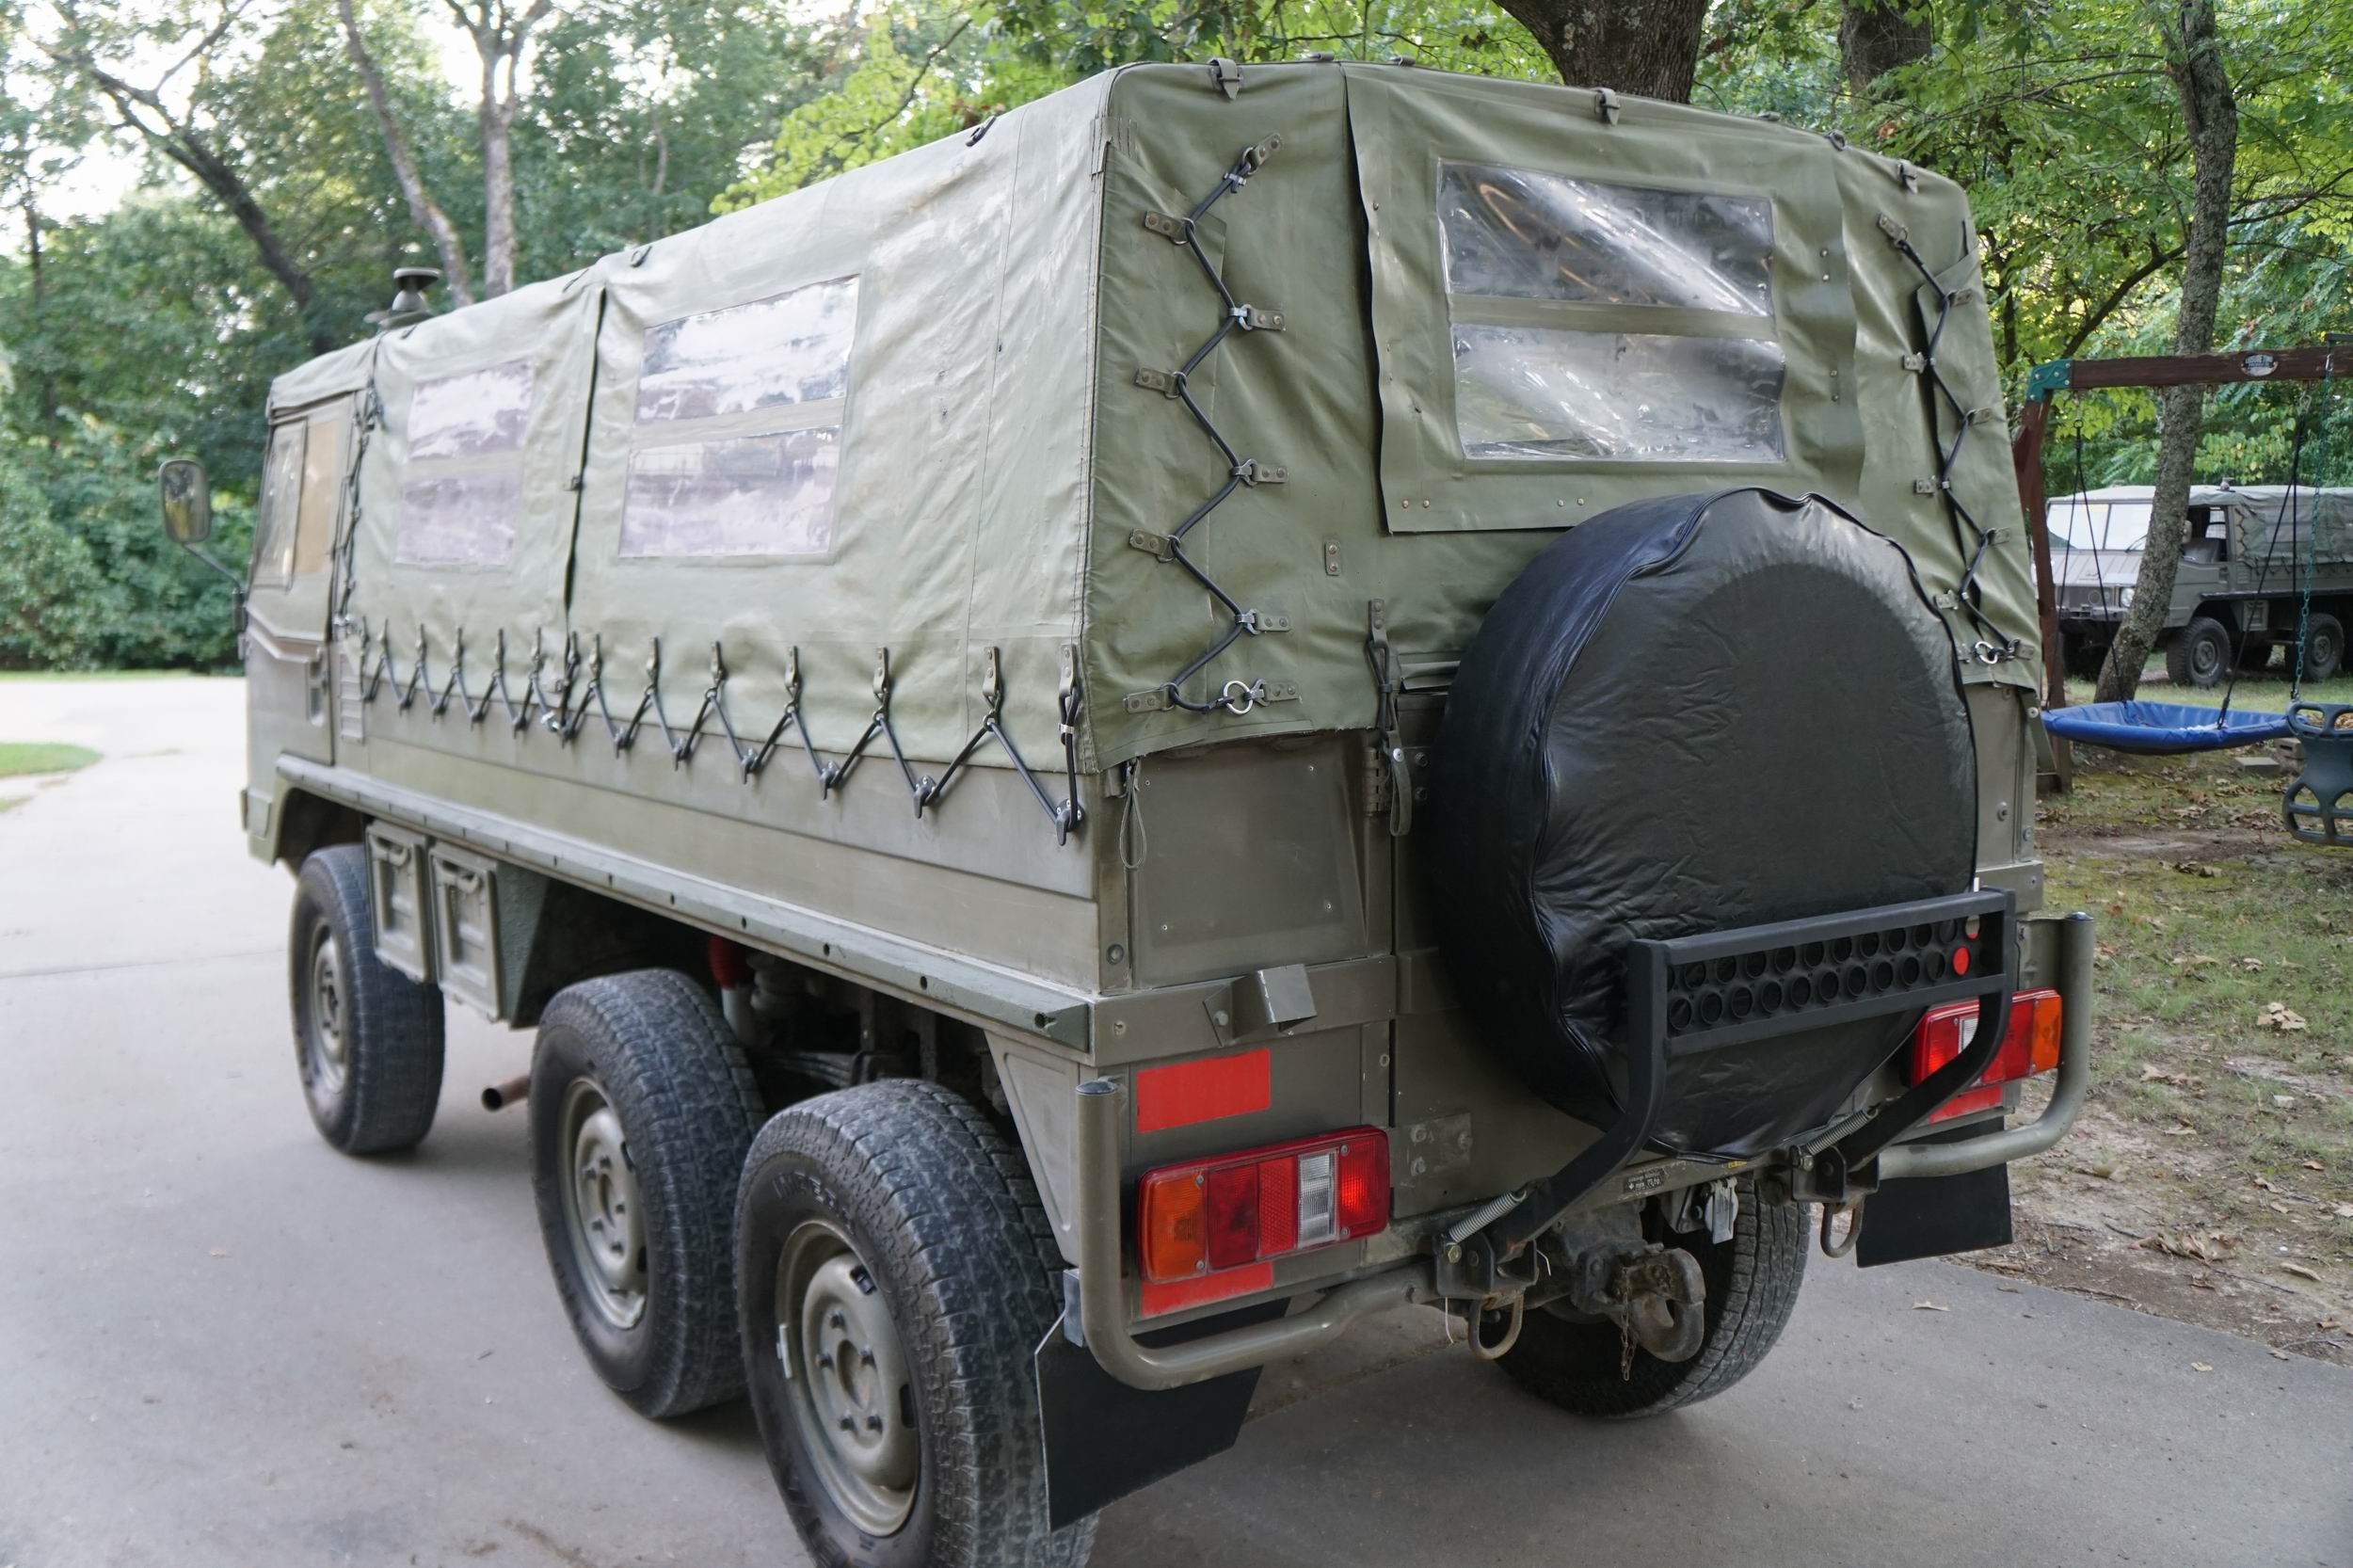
(1693,714)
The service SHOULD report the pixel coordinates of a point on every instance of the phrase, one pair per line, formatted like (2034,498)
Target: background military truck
(2251,554)
(1234,699)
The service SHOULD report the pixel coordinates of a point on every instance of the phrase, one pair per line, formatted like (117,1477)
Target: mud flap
(1104,1439)
(1931,1216)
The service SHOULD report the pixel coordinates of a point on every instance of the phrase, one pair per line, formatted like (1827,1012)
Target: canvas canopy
(929,410)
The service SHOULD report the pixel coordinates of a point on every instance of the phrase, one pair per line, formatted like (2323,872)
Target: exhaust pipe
(498,1097)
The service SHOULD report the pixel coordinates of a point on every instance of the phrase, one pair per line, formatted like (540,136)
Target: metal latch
(1225,76)
(1605,106)
(1388,786)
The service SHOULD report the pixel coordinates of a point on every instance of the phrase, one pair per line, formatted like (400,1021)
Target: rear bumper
(2072,962)
(1097,1318)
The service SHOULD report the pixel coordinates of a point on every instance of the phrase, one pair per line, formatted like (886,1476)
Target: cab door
(289,688)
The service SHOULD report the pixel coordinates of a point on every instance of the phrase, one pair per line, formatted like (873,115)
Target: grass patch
(9,803)
(23,756)
(2210,916)
(98,675)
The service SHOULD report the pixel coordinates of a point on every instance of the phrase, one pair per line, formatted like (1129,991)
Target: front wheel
(367,1038)
(1753,1281)
(897,1275)
(2200,654)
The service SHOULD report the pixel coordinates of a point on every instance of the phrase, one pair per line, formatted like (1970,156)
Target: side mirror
(187,495)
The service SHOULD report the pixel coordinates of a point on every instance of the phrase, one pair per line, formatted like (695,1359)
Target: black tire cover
(1693,714)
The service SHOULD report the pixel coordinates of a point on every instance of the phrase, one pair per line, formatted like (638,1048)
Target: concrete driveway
(221,1343)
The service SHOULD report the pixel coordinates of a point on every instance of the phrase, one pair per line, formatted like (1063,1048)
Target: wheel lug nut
(826,1362)
(835,1319)
(874,1423)
(848,1425)
(866,1356)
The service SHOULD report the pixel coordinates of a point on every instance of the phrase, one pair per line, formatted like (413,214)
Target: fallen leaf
(2300,1272)
(2200,1367)
(2181,1129)
(2315,1165)
(2283,1101)
(1928,1307)
(2194,868)
(2264,1183)
(2344,1211)
(2281,1356)
(2279,1206)
(2106,1173)
(2279,1015)
(2328,1324)
(2252,964)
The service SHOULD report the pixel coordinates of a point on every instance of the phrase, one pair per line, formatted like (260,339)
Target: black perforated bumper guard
(1693,994)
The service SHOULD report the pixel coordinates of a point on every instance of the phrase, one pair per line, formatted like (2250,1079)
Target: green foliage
(155,329)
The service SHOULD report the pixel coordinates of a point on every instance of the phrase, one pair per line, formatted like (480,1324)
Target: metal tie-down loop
(1996,644)
(564,715)
(1238,697)
(1065,814)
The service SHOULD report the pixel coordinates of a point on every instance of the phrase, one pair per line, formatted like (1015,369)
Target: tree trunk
(426,212)
(1649,48)
(1877,36)
(38,278)
(498,188)
(2194,60)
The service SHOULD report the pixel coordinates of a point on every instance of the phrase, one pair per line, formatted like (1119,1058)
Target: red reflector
(2030,1046)
(1960,960)
(1162,1297)
(1184,1093)
(1208,1217)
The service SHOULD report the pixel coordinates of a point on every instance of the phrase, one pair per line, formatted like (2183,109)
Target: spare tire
(1693,714)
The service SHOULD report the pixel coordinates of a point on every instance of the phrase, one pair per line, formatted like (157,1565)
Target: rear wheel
(2324,648)
(898,1272)
(2200,654)
(1752,1283)
(641,1110)
(367,1038)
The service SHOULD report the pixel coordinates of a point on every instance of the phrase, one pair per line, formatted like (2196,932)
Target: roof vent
(409,305)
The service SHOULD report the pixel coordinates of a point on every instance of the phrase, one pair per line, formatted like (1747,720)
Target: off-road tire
(2198,657)
(1753,1284)
(655,1048)
(383,1096)
(942,1212)
(2324,648)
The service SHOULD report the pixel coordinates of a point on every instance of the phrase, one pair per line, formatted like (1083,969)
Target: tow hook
(1656,1298)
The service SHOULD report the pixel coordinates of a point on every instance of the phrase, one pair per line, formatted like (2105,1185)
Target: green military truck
(1237,699)
(2258,561)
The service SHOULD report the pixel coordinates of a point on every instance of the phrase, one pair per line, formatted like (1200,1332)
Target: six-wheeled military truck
(2261,565)
(1234,700)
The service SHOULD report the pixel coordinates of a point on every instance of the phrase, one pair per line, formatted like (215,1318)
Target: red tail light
(2030,1046)
(1238,1210)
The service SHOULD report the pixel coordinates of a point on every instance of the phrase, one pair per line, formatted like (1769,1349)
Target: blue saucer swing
(2163,728)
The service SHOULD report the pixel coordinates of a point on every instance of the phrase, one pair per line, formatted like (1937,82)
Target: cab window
(301,485)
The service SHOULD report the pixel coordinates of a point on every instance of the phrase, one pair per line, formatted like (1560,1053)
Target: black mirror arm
(219,565)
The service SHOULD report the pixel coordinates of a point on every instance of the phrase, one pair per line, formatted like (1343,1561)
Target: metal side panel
(398,892)
(466,928)
(960,987)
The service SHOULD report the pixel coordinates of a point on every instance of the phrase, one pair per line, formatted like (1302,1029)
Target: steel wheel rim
(2205,657)
(847,1379)
(603,1212)
(326,1049)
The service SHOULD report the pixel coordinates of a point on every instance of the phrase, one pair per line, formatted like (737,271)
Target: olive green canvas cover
(969,447)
